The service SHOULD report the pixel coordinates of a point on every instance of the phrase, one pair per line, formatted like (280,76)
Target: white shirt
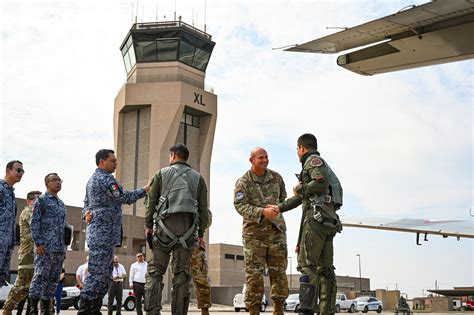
(118,271)
(82,272)
(137,272)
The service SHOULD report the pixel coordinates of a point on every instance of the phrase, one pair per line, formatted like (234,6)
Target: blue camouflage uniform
(7,228)
(104,198)
(47,228)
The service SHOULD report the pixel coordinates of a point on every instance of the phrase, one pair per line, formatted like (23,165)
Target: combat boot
(277,307)
(254,309)
(96,305)
(34,306)
(205,311)
(45,307)
(7,312)
(84,307)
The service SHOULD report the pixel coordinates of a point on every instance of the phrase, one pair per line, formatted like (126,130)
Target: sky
(401,143)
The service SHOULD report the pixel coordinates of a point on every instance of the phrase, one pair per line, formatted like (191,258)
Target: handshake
(271,211)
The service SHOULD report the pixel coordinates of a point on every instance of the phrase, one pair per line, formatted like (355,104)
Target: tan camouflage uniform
(19,291)
(264,239)
(199,272)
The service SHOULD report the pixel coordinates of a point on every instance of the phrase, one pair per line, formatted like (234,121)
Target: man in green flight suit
(320,193)
(176,217)
(263,231)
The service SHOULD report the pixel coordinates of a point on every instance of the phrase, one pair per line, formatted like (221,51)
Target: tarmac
(225,309)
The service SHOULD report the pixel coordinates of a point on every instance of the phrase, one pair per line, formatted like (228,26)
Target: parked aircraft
(433,33)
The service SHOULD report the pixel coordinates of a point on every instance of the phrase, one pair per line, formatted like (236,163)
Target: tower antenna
(156,14)
(205,10)
(175,10)
(136,13)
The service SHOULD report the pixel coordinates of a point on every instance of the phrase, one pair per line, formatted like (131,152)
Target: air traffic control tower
(163,102)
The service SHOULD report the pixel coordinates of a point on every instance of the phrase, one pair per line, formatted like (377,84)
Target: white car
(368,303)
(292,303)
(128,300)
(240,305)
(4,293)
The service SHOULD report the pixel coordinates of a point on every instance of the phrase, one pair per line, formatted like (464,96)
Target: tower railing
(168,78)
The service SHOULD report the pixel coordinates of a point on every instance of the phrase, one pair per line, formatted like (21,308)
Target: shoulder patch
(316,162)
(239,196)
(115,190)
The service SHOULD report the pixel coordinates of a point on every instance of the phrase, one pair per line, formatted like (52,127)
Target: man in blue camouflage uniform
(103,213)
(47,229)
(13,174)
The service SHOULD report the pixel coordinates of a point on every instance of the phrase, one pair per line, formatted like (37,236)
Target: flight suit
(178,222)
(320,224)
(264,239)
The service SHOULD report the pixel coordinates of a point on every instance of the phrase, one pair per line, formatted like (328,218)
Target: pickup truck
(343,303)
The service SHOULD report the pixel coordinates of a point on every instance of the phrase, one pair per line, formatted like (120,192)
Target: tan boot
(254,309)
(7,312)
(277,307)
(205,311)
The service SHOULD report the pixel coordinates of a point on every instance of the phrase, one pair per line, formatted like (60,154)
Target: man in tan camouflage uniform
(19,291)
(199,272)
(263,231)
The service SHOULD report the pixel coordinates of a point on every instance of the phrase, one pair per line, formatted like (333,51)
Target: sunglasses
(19,170)
(56,180)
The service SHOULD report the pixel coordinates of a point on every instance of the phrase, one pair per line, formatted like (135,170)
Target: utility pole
(360,274)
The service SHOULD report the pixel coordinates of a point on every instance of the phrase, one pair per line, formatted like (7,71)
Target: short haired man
(47,229)
(81,273)
(19,291)
(13,173)
(137,280)
(177,207)
(103,213)
(263,231)
(320,193)
(116,287)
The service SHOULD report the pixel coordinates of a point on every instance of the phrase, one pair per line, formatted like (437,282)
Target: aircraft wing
(455,228)
(433,33)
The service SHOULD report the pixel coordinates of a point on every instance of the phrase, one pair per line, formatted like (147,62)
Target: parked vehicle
(462,306)
(343,303)
(128,300)
(71,297)
(292,303)
(240,305)
(4,293)
(368,303)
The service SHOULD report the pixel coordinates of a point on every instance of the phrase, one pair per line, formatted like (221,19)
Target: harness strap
(174,239)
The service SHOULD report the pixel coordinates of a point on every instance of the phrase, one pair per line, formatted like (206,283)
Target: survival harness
(160,214)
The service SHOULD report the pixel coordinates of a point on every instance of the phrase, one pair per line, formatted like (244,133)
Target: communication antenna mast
(205,10)
(175,10)
(156,12)
(136,13)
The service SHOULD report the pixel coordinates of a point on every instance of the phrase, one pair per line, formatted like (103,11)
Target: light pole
(291,271)
(360,275)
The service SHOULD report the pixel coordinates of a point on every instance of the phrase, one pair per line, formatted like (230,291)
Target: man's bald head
(259,160)
(256,151)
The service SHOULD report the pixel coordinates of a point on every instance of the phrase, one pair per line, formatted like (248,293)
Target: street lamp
(291,271)
(360,275)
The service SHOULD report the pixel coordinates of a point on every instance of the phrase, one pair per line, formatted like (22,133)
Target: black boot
(84,307)
(34,306)
(45,307)
(96,305)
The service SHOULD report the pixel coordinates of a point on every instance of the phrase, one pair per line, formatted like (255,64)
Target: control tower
(163,102)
